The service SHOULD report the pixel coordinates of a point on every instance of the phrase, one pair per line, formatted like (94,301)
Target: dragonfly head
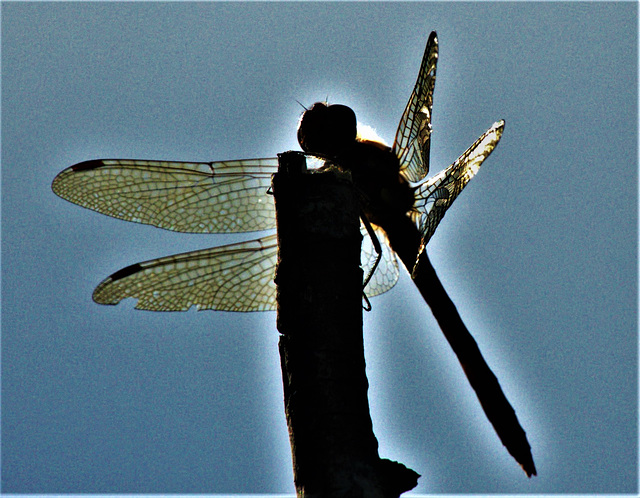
(327,129)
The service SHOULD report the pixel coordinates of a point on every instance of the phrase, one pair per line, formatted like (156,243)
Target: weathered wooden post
(319,281)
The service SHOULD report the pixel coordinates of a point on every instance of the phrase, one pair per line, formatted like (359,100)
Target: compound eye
(327,129)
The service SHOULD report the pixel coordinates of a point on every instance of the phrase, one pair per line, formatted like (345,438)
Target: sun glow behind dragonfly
(366,132)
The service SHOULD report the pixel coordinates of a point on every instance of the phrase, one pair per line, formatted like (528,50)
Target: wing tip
(99,296)
(58,185)
(498,129)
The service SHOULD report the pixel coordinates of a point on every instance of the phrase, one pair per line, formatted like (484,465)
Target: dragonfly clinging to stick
(403,206)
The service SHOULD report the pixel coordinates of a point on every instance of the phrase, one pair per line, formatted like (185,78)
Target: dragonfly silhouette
(403,207)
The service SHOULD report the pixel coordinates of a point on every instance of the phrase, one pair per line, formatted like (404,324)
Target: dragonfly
(401,204)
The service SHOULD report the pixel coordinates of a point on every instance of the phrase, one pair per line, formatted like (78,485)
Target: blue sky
(538,253)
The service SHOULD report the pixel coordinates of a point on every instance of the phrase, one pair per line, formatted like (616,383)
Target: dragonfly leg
(378,249)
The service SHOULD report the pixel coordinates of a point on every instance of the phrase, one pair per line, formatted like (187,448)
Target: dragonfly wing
(413,137)
(235,277)
(435,195)
(224,196)
(386,275)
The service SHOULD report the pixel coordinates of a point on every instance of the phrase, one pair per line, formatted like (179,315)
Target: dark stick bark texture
(319,281)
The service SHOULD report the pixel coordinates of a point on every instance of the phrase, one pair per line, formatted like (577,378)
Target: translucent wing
(435,195)
(413,137)
(386,275)
(235,277)
(225,196)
